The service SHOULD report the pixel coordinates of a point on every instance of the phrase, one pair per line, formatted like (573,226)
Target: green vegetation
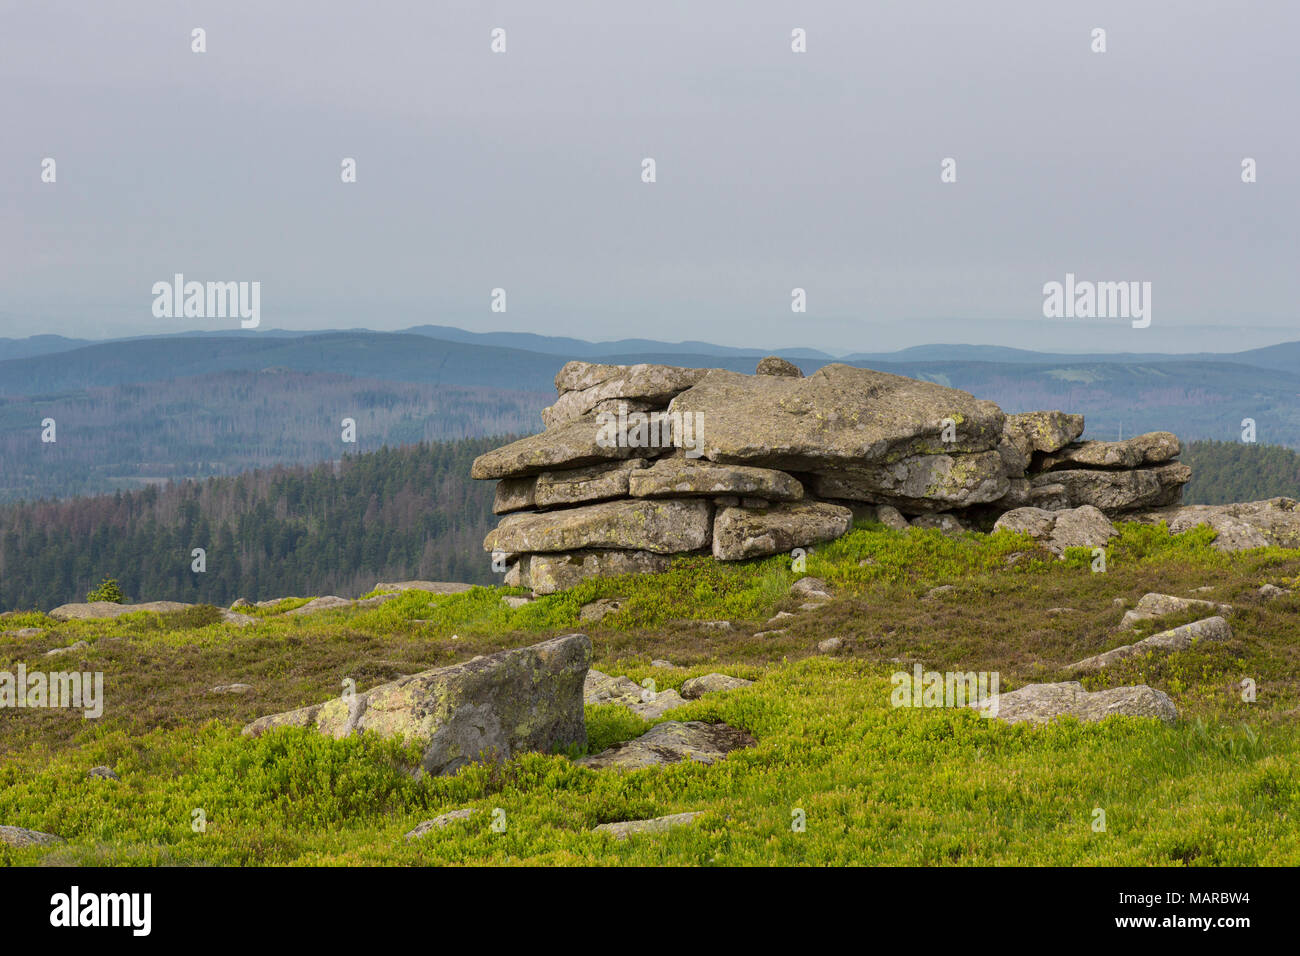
(878,785)
(108,590)
(1225,471)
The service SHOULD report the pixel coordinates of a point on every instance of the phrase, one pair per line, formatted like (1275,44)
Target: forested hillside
(391,514)
(1224,471)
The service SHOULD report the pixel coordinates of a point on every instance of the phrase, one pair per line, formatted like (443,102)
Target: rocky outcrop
(1239,527)
(496,706)
(1041,703)
(1166,642)
(639,463)
(1158,605)
(626,828)
(1083,527)
(671,742)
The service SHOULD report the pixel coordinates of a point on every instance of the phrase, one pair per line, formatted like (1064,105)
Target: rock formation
(642,462)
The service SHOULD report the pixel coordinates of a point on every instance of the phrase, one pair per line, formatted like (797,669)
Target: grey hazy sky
(775,169)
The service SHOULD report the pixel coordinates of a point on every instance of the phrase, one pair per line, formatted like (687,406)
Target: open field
(876,784)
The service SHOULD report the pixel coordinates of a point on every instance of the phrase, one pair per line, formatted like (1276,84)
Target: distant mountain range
(137,410)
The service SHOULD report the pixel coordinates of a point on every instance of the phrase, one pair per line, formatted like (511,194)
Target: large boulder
(673,477)
(592,483)
(664,526)
(1153,605)
(1043,431)
(1240,526)
(740,533)
(1083,527)
(1118,491)
(570,445)
(1166,642)
(838,417)
(597,385)
(100,610)
(1041,703)
(527,699)
(922,483)
(551,573)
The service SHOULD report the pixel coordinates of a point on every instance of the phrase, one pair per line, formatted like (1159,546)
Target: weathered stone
(671,742)
(23,632)
(592,483)
(1270,591)
(438,823)
(627,828)
(1041,703)
(515,494)
(1153,448)
(646,383)
(838,417)
(810,586)
(96,610)
(1154,605)
(1082,527)
(102,773)
(76,646)
(1117,491)
(515,602)
(599,688)
(660,703)
(830,645)
(664,526)
(1240,526)
(1167,642)
(669,477)
(1045,431)
(19,836)
(923,483)
(571,445)
(499,705)
(599,609)
(231,689)
(551,573)
(237,619)
(950,525)
(775,365)
(891,517)
(431,587)
(576,376)
(697,687)
(740,533)
(328,602)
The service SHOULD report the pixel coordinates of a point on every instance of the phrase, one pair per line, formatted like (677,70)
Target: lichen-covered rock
(626,828)
(527,699)
(570,445)
(552,573)
(664,526)
(645,383)
(1153,448)
(600,688)
(328,602)
(1240,526)
(591,483)
(838,417)
(19,836)
(515,494)
(672,477)
(1041,703)
(740,533)
(697,687)
(775,365)
(1044,431)
(950,525)
(671,742)
(97,610)
(1158,605)
(1118,491)
(922,483)
(438,822)
(1166,642)
(1082,527)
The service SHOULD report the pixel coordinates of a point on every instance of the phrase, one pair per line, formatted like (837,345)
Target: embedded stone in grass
(661,525)
(1154,605)
(671,742)
(78,646)
(948,524)
(1176,639)
(662,663)
(97,610)
(942,590)
(740,533)
(830,645)
(891,517)
(1041,703)
(237,619)
(1270,591)
(431,587)
(20,836)
(438,822)
(516,601)
(551,573)
(810,587)
(102,773)
(1082,527)
(600,688)
(599,609)
(23,632)
(654,708)
(626,828)
(697,687)
(231,689)
(494,706)
(328,602)
(1239,526)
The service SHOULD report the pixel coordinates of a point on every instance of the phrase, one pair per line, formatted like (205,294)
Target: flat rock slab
(671,742)
(600,688)
(527,699)
(18,836)
(1155,605)
(570,445)
(596,385)
(577,485)
(1119,491)
(661,526)
(432,587)
(1152,448)
(697,687)
(673,477)
(98,610)
(1041,703)
(660,703)
(626,828)
(740,533)
(328,602)
(1177,639)
(921,483)
(1043,431)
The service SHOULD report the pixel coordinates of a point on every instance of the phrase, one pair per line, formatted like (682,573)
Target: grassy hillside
(877,784)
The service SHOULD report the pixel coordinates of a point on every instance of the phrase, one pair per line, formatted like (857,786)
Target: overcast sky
(775,169)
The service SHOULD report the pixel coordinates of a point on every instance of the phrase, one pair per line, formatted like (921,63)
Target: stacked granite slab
(639,463)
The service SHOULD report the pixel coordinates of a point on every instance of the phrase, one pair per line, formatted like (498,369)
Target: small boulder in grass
(439,822)
(626,828)
(810,587)
(102,773)
(21,836)
(697,687)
